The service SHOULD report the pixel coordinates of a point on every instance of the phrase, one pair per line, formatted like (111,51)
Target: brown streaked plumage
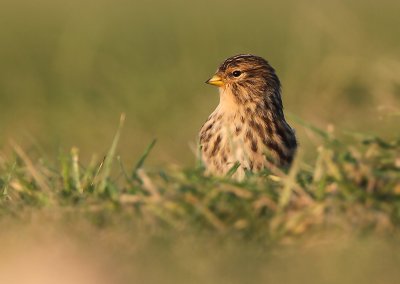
(248,126)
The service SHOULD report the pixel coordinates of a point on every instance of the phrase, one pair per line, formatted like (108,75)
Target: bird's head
(247,77)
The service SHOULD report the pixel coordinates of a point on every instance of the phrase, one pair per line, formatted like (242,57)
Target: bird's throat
(227,101)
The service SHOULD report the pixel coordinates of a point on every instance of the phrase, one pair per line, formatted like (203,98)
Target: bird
(247,130)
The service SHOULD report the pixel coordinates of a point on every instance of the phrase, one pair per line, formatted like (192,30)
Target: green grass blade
(233,169)
(143,157)
(108,161)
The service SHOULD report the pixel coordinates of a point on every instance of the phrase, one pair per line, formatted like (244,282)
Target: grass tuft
(351,187)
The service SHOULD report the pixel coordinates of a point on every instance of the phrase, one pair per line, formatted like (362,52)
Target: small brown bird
(248,126)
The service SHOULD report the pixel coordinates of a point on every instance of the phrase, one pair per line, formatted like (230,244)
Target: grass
(106,223)
(352,187)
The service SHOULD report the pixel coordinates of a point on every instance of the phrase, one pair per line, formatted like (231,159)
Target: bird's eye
(236,73)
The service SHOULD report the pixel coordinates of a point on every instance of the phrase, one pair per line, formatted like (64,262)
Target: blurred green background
(69,68)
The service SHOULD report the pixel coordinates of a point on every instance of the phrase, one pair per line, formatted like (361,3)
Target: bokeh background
(69,68)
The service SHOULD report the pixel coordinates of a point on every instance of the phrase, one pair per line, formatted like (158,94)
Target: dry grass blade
(8,179)
(148,185)
(289,184)
(280,176)
(210,217)
(75,169)
(245,194)
(36,175)
(130,199)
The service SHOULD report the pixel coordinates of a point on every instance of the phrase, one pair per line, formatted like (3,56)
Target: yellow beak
(216,81)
